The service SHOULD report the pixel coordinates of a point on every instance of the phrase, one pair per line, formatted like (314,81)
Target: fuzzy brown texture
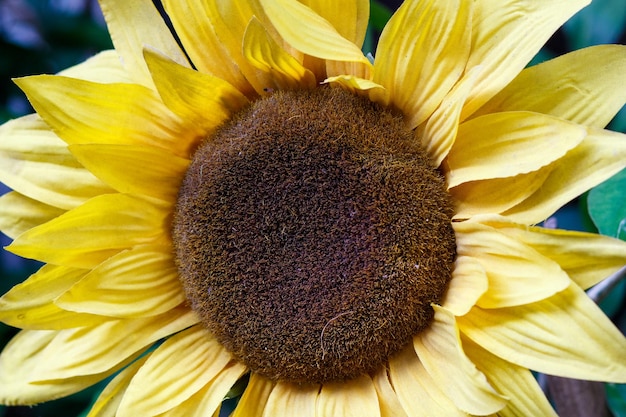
(312,235)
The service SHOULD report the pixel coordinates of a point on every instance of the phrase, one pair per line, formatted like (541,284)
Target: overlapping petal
(39,166)
(134,26)
(139,282)
(469,282)
(290,399)
(441,354)
(554,336)
(19,213)
(387,398)
(422,53)
(569,87)
(179,368)
(134,169)
(506,34)
(338,398)
(255,397)
(506,144)
(517,273)
(86,112)
(93,232)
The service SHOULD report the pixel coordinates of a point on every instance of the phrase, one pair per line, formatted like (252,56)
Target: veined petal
(206,401)
(565,335)
(587,258)
(134,169)
(175,371)
(139,282)
(506,34)
(354,398)
(502,145)
(201,100)
(440,351)
(525,397)
(438,133)
(135,25)
(19,213)
(417,392)
(93,350)
(292,400)
(422,53)
(349,18)
(196,30)
(469,282)
(569,87)
(104,67)
(29,305)
(85,112)
(37,164)
(598,157)
(309,32)
(496,195)
(517,273)
(91,233)
(387,398)
(266,55)
(254,397)
(110,398)
(19,366)
(362,87)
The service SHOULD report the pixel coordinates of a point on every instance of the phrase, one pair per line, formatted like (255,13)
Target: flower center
(312,236)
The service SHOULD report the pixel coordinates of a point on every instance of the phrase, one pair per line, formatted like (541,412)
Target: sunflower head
(312,235)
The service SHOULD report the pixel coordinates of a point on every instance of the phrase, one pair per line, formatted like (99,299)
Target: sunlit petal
(354,398)
(290,399)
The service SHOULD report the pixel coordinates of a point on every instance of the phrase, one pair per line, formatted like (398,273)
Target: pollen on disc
(312,235)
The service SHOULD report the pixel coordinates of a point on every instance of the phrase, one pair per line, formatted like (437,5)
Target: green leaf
(616,399)
(607,206)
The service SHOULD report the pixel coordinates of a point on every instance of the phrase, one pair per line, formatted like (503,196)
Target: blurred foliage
(46,36)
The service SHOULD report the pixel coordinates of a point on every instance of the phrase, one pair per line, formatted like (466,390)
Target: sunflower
(261,209)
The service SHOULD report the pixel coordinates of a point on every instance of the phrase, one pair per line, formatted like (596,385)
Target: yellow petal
(598,157)
(585,86)
(136,283)
(349,18)
(201,100)
(134,26)
(507,144)
(422,53)
(417,391)
(387,398)
(37,164)
(266,55)
(207,400)
(439,349)
(29,305)
(354,398)
(108,401)
(254,397)
(309,32)
(565,335)
(194,22)
(438,133)
(101,348)
(89,234)
(290,400)
(587,258)
(19,366)
(506,34)
(104,67)
(19,213)
(134,169)
(469,282)
(174,372)
(360,86)
(517,273)
(85,112)
(525,397)
(496,195)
